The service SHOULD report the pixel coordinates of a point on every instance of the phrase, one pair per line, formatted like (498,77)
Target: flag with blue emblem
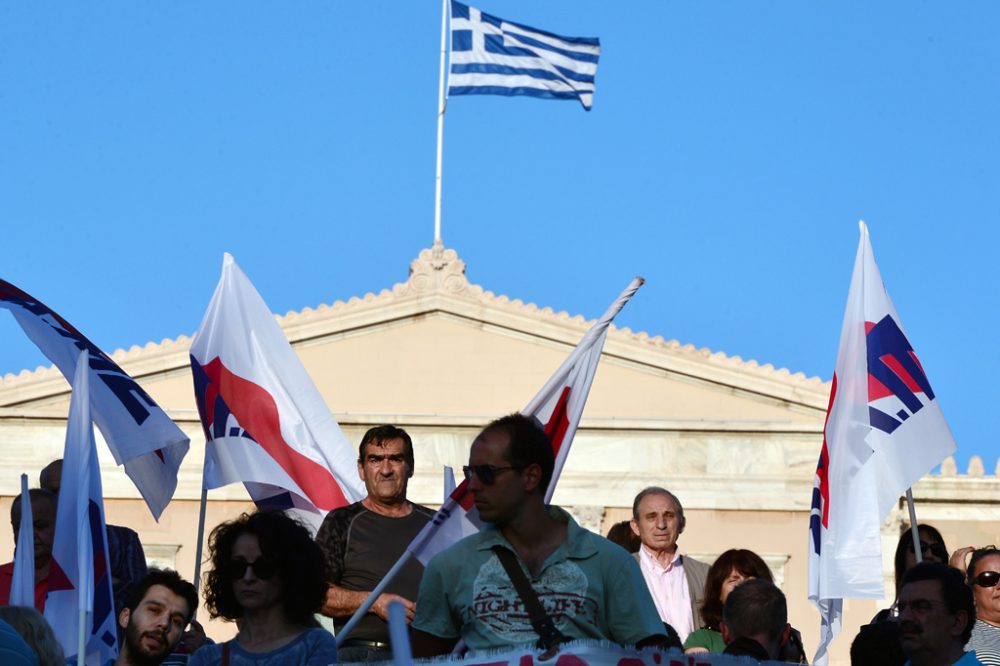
(491,56)
(884,430)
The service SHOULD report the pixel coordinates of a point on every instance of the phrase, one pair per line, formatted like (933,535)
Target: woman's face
(732,580)
(931,548)
(987,596)
(256,584)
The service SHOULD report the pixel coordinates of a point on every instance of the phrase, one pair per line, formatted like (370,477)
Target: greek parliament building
(735,440)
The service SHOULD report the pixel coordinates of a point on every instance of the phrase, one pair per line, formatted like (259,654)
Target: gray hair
(655,490)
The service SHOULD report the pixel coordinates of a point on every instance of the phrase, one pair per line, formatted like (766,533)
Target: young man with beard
(155,619)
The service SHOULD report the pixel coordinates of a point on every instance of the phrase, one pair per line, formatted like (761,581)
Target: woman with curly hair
(269,576)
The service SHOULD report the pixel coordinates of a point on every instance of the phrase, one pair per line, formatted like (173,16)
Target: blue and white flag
(138,432)
(80,603)
(491,56)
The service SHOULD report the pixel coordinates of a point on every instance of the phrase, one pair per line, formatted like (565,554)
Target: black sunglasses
(987,579)
(927,547)
(487,474)
(262,569)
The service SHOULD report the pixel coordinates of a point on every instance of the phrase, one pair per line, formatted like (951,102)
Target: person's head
(36,632)
(984,579)
(932,549)
(385,462)
(935,611)
(622,534)
(729,570)
(658,519)
(156,616)
(877,644)
(50,477)
(756,609)
(43,516)
(264,559)
(14,651)
(510,461)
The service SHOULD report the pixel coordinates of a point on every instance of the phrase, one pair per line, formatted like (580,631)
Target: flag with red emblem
(138,432)
(884,430)
(266,425)
(80,602)
(558,407)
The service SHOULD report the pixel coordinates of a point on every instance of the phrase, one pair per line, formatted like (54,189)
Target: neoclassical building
(735,440)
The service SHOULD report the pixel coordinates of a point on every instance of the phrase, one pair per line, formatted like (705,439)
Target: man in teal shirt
(590,587)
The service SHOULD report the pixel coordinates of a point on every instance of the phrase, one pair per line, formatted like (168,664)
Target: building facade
(736,441)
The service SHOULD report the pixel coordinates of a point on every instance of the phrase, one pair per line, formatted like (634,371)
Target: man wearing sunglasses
(984,578)
(361,542)
(587,586)
(935,613)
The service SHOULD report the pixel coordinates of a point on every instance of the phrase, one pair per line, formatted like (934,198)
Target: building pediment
(437,334)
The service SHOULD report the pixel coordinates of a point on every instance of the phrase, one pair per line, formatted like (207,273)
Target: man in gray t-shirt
(362,542)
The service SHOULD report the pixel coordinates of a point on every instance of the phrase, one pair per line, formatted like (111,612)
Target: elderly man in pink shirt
(676,582)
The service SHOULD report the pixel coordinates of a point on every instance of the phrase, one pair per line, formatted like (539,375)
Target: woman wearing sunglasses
(932,549)
(268,575)
(984,576)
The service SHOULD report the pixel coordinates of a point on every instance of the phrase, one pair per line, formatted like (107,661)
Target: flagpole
(373,597)
(917,551)
(201,537)
(440,123)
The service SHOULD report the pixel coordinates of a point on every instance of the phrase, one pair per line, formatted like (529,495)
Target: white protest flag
(138,432)
(884,431)
(22,587)
(80,601)
(265,423)
(558,407)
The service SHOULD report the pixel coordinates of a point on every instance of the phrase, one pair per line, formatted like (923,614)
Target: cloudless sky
(731,150)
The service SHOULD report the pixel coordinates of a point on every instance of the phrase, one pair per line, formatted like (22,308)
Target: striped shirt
(985,641)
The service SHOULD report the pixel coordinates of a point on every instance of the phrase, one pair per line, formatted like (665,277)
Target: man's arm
(341,603)
(429,645)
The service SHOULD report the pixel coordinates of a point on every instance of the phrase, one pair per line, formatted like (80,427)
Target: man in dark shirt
(362,542)
(755,620)
(128,561)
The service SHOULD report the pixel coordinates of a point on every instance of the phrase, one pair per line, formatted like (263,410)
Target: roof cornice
(437,284)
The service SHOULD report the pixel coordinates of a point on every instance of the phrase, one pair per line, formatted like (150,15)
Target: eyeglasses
(262,569)
(929,547)
(919,606)
(487,474)
(987,579)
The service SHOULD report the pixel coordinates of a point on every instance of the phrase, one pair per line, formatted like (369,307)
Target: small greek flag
(491,56)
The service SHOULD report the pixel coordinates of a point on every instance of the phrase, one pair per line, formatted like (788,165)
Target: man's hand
(381,606)
(192,639)
(960,558)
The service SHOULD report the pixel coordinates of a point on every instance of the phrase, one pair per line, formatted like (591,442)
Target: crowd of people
(532,576)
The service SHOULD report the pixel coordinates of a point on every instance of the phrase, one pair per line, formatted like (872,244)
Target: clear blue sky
(731,150)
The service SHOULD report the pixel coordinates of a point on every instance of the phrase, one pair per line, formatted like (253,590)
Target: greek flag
(491,56)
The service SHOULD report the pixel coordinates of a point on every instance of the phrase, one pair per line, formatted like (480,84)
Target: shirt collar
(647,556)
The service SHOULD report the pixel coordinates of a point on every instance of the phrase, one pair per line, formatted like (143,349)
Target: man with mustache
(936,613)
(155,618)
